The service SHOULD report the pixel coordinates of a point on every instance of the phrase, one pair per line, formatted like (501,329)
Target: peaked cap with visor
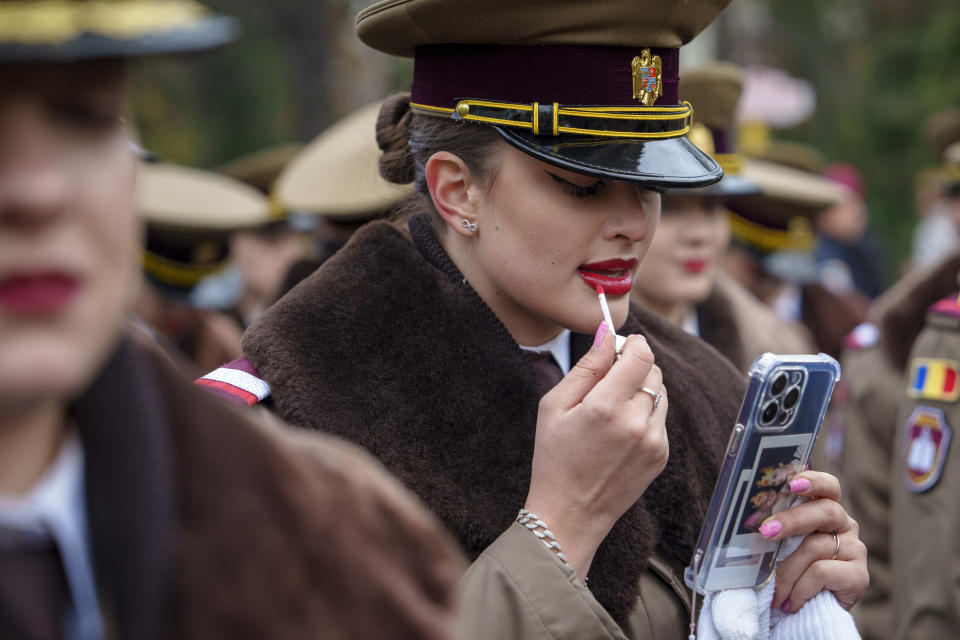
(72,30)
(591,87)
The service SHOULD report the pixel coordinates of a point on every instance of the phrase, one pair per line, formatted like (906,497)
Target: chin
(58,366)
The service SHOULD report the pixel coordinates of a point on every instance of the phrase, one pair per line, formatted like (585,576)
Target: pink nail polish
(799,485)
(770,529)
(601,334)
(785,607)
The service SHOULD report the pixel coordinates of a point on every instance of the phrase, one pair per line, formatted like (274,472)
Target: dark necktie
(33,592)
(547,370)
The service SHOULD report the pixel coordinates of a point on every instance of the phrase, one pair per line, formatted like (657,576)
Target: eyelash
(576,190)
(85,116)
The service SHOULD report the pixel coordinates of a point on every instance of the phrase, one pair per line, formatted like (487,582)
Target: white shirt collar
(691,323)
(558,347)
(55,508)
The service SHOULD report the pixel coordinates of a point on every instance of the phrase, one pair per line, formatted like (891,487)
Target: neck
(30,439)
(674,312)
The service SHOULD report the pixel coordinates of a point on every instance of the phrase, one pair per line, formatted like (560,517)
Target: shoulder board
(949,306)
(864,336)
(237,381)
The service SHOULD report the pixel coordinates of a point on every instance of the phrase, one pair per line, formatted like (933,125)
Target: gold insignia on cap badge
(647,77)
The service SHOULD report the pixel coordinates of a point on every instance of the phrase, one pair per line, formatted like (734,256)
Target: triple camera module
(783,395)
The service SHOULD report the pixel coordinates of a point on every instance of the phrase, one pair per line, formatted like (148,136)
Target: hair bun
(393,137)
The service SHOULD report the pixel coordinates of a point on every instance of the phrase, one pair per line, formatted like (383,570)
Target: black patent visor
(671,163)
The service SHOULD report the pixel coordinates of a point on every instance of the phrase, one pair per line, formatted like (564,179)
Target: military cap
(588,86)
(714,91)
(779,218)
(69,30)
(189,215)
(336,175)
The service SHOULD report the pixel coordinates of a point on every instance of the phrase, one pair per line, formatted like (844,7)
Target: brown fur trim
(385,346)
(277,534)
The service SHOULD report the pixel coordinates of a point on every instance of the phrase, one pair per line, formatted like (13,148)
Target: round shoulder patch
(926,440)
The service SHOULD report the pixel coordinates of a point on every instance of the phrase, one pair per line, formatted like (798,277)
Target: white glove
(745,614)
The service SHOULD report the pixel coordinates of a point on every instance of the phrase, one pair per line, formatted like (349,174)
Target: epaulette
(237,381)
(949,306)
(864,336)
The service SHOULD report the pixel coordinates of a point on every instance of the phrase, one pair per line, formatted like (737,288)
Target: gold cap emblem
(647,78)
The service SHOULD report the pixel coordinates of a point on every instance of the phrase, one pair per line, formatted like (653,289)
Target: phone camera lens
(783,418)
(792,398)
(769,413)
(779,384)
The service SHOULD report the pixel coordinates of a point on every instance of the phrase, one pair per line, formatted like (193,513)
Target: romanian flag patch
(934,379)
(925,442)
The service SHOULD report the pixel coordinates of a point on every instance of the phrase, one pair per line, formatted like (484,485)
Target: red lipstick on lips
(615,276)
(694,266)
(37,293)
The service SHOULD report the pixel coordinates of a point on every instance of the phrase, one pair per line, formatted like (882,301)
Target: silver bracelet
(538,527)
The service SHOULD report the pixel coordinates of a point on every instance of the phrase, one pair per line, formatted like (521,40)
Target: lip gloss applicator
(620,340)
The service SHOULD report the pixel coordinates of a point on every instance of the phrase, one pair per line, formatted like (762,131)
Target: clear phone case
(785,401)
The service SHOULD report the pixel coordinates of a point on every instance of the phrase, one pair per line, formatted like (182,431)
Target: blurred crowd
(220,509)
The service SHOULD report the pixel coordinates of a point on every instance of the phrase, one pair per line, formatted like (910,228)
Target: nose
(34,185)
(635,213)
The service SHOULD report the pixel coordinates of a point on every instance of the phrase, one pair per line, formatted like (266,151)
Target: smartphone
(776,429)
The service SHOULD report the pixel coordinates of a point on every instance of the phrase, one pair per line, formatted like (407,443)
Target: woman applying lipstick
(426,343)
(122,514)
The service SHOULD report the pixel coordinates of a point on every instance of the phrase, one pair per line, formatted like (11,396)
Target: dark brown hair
(408,139)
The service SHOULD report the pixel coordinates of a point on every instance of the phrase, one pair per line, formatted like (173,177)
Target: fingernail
(799,485)
(785,607)
(601,334)
(770,529)
(642,337)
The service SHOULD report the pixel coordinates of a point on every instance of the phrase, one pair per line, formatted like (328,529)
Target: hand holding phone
(770,444)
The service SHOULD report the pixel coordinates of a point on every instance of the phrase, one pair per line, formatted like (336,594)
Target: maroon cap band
(564,74)
(723,141)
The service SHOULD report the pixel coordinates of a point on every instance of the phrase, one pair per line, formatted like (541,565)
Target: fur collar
(385,346)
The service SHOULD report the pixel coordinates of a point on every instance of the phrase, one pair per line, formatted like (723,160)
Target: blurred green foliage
(881,67)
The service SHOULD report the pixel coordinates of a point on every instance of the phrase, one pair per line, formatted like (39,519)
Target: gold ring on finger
(836,539)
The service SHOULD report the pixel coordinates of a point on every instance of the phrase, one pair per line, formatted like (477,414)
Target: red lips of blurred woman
(694,266)
(615,276)
(37,293)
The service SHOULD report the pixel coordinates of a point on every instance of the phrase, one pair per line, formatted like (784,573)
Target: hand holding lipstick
(600,442)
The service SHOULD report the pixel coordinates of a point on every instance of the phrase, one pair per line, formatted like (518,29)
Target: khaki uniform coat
(208,524)
(865,409)
(386,346)
(925,545)
(742,328)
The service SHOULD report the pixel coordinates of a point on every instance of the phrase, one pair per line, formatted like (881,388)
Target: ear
(449,181)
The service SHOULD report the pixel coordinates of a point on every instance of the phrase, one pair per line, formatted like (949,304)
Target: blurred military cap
(714,90)
(190,214)
(786,193)
(588,86)
(182,197)
(68,30)
(943,129)
(336,174)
